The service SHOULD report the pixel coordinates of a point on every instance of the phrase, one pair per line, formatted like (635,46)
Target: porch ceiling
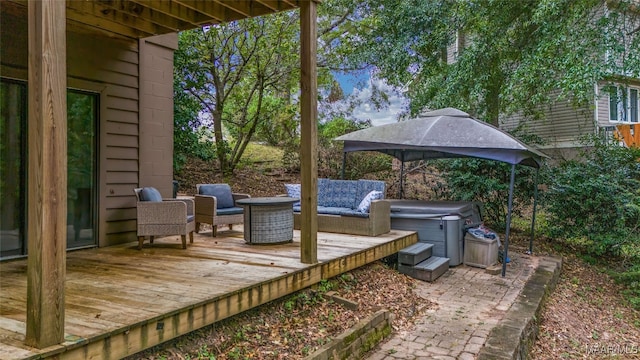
(143,18)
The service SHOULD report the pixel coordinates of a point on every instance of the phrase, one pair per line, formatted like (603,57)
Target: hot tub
(441,223)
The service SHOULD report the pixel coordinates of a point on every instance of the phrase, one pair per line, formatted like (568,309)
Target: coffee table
(268,220)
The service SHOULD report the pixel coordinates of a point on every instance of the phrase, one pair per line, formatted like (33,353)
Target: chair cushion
(341,211)
(332,210)
(222,192)
(364,187)
(336,193)
(229,211)
(365,204)
(294,191)
(190,218)
(150,194)
(354,213)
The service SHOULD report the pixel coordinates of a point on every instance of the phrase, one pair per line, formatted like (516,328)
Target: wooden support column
(309,130)
(47,184)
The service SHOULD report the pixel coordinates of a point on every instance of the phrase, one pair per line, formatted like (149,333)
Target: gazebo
(448,133)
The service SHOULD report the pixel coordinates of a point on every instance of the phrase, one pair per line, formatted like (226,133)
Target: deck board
(120,300)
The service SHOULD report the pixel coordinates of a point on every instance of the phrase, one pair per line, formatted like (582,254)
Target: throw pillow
(365,204)
(293,190)
(222,193)
(150,194)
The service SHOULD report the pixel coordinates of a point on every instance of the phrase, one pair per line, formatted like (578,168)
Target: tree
(510,54)
(243,76)
(242,73)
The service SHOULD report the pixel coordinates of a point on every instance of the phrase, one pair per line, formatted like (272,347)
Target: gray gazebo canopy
(443,133)
(449,133)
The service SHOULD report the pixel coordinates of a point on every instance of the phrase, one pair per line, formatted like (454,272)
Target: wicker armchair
(216,205)
(163,217)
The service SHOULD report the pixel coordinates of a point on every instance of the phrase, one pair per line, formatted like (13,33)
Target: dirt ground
(586,317)
(297,325)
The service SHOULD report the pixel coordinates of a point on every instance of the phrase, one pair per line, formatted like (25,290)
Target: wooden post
(47,184)
(309,130)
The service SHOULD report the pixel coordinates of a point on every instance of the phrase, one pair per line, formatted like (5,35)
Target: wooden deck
(120,300)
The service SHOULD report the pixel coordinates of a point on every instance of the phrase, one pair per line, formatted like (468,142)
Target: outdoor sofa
(348,206)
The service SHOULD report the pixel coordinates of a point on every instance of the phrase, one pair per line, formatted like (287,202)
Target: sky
(359,85)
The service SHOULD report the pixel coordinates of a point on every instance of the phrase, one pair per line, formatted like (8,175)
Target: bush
(594,208)
(487,182)
(189,138)
(330,153)
(597,198)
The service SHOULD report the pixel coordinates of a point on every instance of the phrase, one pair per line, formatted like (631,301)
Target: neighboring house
(614,111)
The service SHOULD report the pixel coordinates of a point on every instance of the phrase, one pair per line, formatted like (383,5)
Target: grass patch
(259,155)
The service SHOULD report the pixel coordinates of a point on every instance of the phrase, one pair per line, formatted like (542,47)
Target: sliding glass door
(82,113)
(82,120)
(13,100)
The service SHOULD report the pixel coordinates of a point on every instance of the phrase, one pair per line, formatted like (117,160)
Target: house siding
(156,112)
(561,125)
(109,67)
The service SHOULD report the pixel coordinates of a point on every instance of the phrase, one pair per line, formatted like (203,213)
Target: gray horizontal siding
(561,125)
(112,64)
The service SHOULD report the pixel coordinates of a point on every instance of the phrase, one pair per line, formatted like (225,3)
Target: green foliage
(189,139)
(593,208)
(597,199)
(204,353)
(330,153)
(487,181)
(494,57)
(631,279)
(242,75)
(324,286)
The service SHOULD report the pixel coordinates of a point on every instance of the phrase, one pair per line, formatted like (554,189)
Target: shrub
(597,197)
(594,208)
(487,182)
(330,153)
(189,139)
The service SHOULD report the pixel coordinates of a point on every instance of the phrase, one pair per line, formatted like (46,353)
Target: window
(82,114)
(82,121)
(623,104)
(633,105)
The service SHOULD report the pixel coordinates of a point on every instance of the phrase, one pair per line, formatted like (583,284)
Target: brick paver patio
(470,302)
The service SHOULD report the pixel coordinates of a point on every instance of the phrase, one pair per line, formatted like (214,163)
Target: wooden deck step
(428,270)
(415,254)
